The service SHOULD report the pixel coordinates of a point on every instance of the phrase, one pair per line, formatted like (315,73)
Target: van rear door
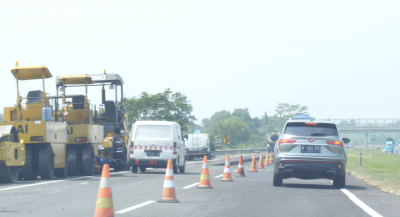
(153,141)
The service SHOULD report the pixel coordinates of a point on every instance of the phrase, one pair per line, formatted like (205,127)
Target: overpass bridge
(366,125)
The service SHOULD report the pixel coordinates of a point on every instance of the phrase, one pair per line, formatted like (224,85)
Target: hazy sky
(339,58)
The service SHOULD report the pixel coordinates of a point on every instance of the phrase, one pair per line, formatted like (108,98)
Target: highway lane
(251,195)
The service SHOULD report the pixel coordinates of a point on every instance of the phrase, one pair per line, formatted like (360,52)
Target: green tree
(168,106)
(235,128)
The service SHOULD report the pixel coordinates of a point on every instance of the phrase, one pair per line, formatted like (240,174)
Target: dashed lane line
(135,207)
(189,186)
(218,176)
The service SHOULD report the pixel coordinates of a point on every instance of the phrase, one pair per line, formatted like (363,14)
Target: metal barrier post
(360,159)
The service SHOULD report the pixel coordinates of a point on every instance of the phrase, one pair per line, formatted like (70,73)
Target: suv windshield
(320,129)
(156,132)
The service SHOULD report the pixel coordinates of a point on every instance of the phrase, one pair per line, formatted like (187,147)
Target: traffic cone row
(104,204)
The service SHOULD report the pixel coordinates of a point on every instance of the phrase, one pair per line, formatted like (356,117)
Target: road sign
(227,140)
(373,137)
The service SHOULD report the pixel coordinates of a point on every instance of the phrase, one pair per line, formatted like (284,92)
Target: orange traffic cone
(253,167)
(168,194)
(260,162)
(240,170)
(227,171)
(267,160)
(104,204)
(270,158)
(205,176)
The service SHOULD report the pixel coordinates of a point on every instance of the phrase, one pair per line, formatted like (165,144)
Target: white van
(153,143)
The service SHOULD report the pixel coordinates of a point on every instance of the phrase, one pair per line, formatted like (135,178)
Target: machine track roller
(72,162)
(88,161)
(29,170)
(8,174)
(46,162)
(61,172)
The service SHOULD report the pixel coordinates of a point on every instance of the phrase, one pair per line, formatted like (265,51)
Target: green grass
(382,170)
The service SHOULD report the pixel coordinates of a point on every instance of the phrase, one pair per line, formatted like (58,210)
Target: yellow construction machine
(12,154)
(83,135)
(45,139)
(114,119)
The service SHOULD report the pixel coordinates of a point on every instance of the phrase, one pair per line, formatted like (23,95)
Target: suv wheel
(278,180)
(340,181)
(142,169)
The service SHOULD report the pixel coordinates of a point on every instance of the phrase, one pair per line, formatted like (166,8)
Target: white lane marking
(136,206)
(189,186)
(359,203)
(43,183)
(234,171)
(218,176)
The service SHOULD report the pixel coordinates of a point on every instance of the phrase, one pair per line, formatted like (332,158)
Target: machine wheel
(142,169)
(278,180)
(29,171)
(72,162)
(46,162)
(183,168)
(88,161)
(8,174)
(134,169)
(340,181)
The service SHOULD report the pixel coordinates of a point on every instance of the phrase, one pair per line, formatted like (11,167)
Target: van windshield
(156,132)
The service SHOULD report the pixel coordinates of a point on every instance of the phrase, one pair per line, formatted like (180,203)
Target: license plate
(310,149)
(153,153)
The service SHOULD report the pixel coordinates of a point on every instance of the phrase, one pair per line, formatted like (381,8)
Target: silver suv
(310,149)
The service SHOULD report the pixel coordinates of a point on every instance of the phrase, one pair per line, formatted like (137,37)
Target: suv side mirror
(274,138)
(346,140)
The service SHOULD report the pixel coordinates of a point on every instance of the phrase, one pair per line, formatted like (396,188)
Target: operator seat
(109,109)
(34,96)
(78,102)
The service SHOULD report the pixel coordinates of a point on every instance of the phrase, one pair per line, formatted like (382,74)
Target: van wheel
(182,168)
(142,169)
(134,169)
(175,169)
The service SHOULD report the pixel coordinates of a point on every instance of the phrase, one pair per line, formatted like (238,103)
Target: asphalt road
(247,196)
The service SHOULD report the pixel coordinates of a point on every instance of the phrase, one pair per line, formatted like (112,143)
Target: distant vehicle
(389,145)
(270,140)
(153,143)
(197,145)
(310,149)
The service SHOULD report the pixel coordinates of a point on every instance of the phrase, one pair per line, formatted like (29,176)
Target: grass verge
(378,169)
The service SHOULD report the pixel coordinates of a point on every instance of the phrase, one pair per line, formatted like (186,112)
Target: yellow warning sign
(227,140)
